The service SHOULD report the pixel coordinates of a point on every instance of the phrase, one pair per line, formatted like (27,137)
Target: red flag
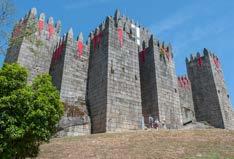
(184,81)
(216,61)
(199,61)
(79,48)
(97,40)
(50,30)
(40,25)
(120,36)
(142,55)
(180,82)
(94,43)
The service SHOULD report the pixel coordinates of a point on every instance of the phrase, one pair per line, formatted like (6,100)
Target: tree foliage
(28,113)
(6,18)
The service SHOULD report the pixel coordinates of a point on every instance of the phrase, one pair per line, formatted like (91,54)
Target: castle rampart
(120,77)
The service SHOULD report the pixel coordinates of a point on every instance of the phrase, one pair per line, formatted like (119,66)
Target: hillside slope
(212,143)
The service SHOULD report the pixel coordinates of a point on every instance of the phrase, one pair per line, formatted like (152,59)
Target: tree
(28,112)
(6,18)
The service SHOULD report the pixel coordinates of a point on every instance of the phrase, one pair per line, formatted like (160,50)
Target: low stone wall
(75,121)
(74,126)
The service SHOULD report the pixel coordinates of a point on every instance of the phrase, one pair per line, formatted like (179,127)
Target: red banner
(79,48)
(199,61)
(165,52)
(40,25)
(120,36)
(217,63)
(180,82)
(50,30)
(58,52)
(142,55)
(97,40)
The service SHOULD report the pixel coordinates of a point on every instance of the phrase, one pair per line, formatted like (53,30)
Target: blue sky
(189,25)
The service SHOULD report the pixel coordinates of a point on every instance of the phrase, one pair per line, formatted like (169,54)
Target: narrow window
(135,77)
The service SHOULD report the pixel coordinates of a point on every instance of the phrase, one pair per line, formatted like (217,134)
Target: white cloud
(187,26)
(178,18)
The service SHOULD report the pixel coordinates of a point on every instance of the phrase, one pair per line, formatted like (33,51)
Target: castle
(120,77)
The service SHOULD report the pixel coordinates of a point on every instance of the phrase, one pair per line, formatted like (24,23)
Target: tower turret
(69,70)
(32,43)
(159,87)
(114,83)
(211,100)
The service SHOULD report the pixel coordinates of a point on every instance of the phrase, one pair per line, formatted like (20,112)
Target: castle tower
(69,69)
(114,96)
(32,42)
(186,100)
(159,87)
(211,100)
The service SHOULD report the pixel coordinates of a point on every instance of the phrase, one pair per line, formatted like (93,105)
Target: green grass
(187,144)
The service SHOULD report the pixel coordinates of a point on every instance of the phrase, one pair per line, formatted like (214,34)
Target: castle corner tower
(210,96)
(159,86)
(32,42)
(114,95)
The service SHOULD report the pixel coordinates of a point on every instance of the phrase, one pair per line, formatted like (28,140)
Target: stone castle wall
(210,96)
(34,51)
(97,80)
(69,74)
(186,100)
(120,77)
(158,73)
(124,110)
(114,97)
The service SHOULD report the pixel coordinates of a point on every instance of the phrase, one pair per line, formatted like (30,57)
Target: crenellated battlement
(204,58)
(210,96)
(184,82)
(31,24)
(77,44)
(121,75)
(196,57)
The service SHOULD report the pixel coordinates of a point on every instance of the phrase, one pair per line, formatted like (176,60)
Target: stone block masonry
(120,77)
(211,100)
(114,94)
(33,47)
(186,100)
(160,97)
(69,68)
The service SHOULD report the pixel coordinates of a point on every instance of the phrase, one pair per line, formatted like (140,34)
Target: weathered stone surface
(186,100)
(32,51)
(114,95)
(69,74)
(160,97)
(211,100)
(120,78)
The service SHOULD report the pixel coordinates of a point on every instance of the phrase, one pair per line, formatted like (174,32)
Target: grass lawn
(173,144)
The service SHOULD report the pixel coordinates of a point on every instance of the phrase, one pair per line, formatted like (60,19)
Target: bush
(28,113)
